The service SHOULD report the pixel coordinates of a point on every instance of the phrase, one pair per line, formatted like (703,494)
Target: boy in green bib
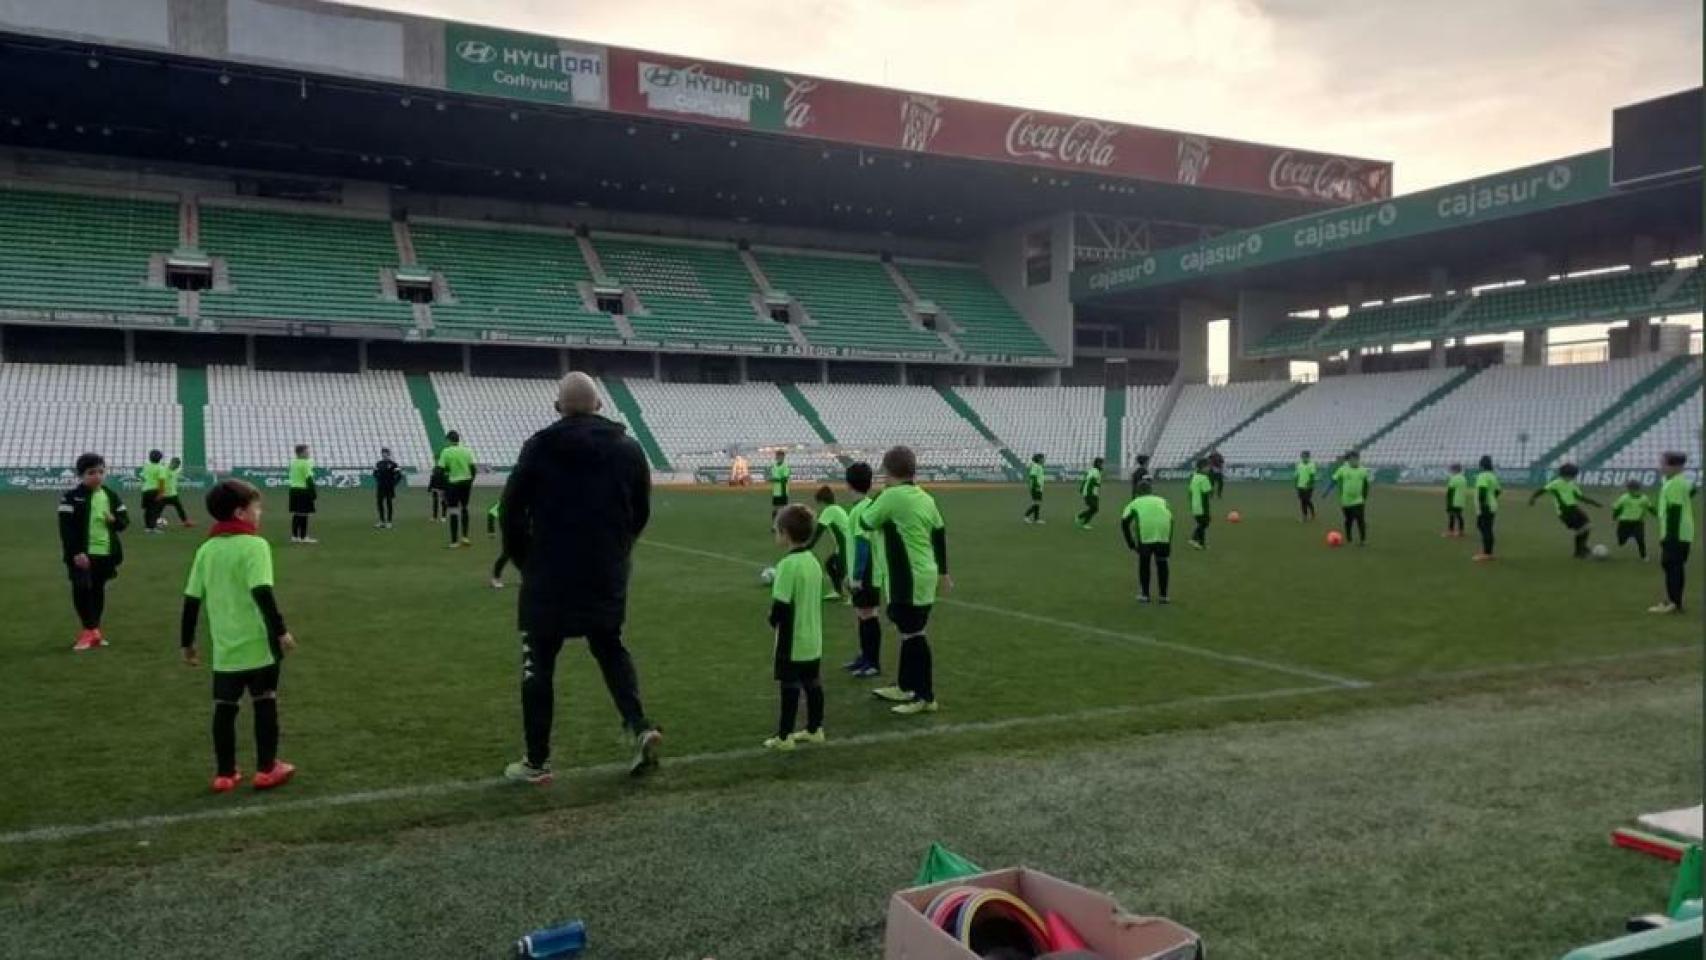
(796,614)
(231,577)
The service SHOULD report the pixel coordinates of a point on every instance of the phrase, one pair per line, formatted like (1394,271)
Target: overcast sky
(1447,89)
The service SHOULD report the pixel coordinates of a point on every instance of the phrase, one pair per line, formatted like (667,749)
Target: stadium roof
(1565,211)
(328,90)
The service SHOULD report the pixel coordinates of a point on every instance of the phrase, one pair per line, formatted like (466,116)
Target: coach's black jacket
(577,501)
(74,523)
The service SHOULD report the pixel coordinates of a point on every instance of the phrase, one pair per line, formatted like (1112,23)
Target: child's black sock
(871,642)
(814,707)
(455,526)
(266,732)
(225,738)
(790,709)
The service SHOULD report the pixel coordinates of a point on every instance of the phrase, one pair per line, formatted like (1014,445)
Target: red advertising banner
(701,91)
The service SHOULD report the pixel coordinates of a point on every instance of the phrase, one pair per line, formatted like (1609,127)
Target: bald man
(578,499)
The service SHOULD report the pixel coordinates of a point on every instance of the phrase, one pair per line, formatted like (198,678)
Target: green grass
(1502,717)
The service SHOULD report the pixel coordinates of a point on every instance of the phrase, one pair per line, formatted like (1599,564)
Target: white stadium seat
(1204,413)
(256,417)
(1065,424)
(1330,417)
(1513,414)
(52,413)
(868,419)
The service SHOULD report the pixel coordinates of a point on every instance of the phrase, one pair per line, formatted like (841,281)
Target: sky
(1446,89)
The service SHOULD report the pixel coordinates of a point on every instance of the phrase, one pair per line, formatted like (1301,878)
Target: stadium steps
(1436,395)
(1255,415)
(630,408)
(1158,425)
(961,407)
(1679,393)
(1113,412)
(1633,397)
(426,404)
(1670,290)
(804,408)
(192,397)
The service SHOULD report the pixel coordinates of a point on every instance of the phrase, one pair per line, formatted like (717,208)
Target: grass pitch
(1492,722)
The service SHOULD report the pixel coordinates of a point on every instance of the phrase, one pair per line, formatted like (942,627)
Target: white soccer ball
(1601,551)
(160,523)
(768,575)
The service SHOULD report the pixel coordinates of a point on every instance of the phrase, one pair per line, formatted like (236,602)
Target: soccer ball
(1234,517)
(768,575)
(1335,538)
(160,524)
(1601,551)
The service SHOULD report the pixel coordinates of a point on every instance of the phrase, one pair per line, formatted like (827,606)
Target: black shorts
(1036,494)
(228,687)
(459,494)
(1093,502)
(798,671)
(386,493)
(1628,530)
(101,569)
(908,618)
(1161,550)
(302,499)
(867,597)
(1305,494)
(1573,517)
(778,501)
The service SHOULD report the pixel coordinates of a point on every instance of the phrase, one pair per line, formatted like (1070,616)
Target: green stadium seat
(1392,323)
(987,325)
(301,267)
(1287,337)
(509,281)
(1596,299)
(79,253)
(853,303)
(693,294)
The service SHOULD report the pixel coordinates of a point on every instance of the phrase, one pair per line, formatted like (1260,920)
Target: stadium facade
(251,220)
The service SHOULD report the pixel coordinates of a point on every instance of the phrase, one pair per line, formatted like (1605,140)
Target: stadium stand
(1142,406)
(1392,323)
(1206,412)
(1512,413)
(52,413)
(692,293)
(1597,298)
(1677,430)
(520,281)
(298,266)
(985,323)
(75,253)
(1287,337)
(1065,424)
(255,417)
(851,301)
(866,420)
(1332,416)
(700,425)
(496,415)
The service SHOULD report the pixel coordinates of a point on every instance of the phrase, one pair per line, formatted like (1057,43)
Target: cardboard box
(1107,928)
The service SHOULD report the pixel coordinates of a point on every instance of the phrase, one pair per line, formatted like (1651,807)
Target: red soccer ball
(1234,517)
(1335,539)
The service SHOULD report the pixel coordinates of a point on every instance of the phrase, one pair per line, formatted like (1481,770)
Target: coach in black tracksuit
(577,500)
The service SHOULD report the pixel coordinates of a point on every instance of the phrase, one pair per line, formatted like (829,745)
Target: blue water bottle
(564,940)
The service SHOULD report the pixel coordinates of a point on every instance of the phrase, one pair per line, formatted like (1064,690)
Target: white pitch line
(1137,639)
(454,787)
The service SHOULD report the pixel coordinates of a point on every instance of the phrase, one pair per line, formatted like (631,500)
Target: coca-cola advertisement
(719,94)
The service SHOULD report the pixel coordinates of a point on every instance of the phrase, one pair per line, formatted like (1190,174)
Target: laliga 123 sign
(520,66)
